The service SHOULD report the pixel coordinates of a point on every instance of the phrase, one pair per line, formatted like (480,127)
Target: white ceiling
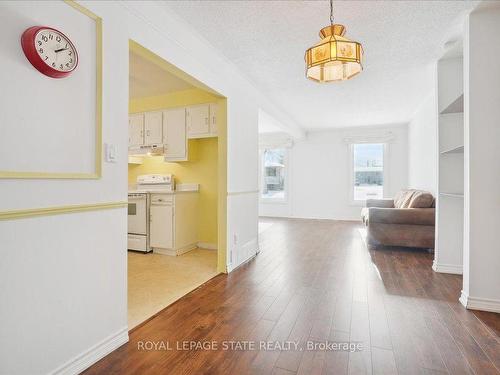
(268,124)
(266,40)
(148,79)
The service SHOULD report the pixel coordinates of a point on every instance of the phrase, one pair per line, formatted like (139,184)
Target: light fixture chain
(331,12)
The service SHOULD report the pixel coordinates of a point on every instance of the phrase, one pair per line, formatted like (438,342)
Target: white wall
(481,287)
(63,277)
(422,146)
(319,170)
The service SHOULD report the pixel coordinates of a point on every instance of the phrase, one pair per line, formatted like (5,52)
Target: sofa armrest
(384,203)
(408,216)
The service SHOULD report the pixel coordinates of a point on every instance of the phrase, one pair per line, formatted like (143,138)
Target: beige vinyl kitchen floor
(155,280)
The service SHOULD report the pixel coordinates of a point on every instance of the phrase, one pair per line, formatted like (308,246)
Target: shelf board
(453,150)
(457,106)
(453,195)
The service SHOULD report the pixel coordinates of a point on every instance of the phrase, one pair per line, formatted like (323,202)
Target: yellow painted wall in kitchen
(202,164)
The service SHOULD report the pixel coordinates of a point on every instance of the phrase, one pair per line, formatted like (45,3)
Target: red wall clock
(49,51)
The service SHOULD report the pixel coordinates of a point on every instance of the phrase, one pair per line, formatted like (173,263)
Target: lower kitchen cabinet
(161,224)
(173,222)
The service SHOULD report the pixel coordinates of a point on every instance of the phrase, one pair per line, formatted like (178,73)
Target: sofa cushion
(403,198)
(412,198)
(421,199)
(408,216)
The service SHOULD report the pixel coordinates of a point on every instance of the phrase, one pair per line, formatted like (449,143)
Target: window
(273,174)
(368,171)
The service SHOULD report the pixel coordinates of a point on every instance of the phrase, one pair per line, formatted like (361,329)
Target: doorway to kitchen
(176,184)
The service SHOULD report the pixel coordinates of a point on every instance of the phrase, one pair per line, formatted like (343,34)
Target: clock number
(51,36)
(58,38)
(70,60)
(39,43)
(46,57)
(41,50)
(69,53)
(61,66)
(54,65)
(44,38)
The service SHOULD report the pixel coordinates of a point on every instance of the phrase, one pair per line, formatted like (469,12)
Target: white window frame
(283,200)
(385,186)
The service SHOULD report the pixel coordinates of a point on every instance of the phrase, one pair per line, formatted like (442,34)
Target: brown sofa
(407,220)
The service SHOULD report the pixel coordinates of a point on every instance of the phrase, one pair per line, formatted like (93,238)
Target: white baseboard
(456,269)
(175,252)
(207,245)
(94,354)
(169,252)
(230,267)
(249,251)
(463,298)
(185,249)
(482,304)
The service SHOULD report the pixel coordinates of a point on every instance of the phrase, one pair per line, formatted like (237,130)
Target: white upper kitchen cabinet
(175,135)
(198,117)
(153,128)
(213,119)
(136,130)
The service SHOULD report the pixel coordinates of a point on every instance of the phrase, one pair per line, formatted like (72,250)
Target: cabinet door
(136,130)
(153,128)
(213,119)
(174,134)
(161,226)
(198,120)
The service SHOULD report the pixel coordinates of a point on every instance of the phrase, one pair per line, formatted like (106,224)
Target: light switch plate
(110,153)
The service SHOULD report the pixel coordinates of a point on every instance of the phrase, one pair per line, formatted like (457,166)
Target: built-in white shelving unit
(453,150)
(448,256)
(456,106)
(453,195)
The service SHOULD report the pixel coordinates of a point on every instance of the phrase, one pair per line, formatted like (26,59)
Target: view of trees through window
(368,163)
(273,174)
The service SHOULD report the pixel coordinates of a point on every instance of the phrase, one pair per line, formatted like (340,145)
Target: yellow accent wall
(202,166)
(172,100)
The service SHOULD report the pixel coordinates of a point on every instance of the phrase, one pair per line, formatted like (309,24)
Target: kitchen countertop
(180,188)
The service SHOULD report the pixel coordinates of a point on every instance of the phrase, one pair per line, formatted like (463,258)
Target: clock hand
(60,49)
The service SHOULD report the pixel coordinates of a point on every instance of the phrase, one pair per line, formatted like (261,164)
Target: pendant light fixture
(334,58)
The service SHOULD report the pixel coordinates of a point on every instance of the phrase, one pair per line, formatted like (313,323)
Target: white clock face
(56,50)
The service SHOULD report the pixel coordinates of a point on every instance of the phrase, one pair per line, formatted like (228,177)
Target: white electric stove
(138,208)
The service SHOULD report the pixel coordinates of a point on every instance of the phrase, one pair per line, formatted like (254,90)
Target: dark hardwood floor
(315,281)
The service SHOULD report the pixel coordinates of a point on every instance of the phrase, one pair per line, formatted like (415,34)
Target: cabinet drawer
(137,242)
(162,199)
